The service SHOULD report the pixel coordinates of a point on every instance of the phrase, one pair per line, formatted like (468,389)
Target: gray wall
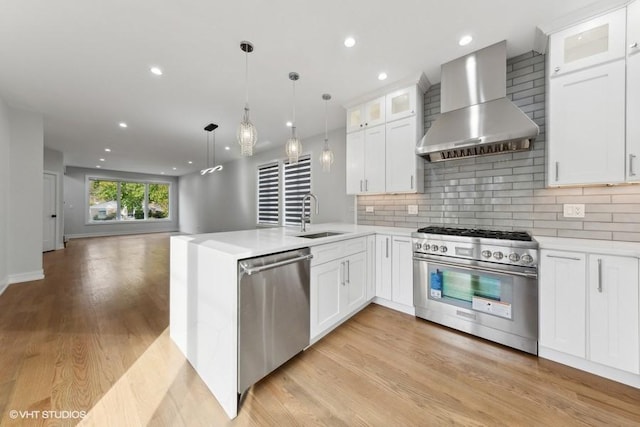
(5,140)
(226,200)
(507,191)
(25,196)
(75,205)
(54,162)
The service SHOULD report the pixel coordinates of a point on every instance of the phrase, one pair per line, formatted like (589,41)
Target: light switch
(412,209)
(573,210)
(369,209)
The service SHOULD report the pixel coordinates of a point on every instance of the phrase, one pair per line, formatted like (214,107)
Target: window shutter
(297,183)
(268,197)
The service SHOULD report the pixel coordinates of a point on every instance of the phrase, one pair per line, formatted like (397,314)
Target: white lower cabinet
(371,267)
(338,285)
(402,271)
(383,266)
(589,308)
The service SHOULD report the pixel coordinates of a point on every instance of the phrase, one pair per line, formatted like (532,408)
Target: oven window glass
(479,291)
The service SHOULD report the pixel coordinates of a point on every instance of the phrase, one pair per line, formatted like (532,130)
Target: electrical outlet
(412,209)
(369,209)
(573,210)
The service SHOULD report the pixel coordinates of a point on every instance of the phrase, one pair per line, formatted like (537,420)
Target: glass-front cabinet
(598,40)
(366,115)
(401,103)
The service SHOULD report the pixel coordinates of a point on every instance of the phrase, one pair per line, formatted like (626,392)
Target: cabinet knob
(633,45)
(360,124)
(556,69)
(366,124)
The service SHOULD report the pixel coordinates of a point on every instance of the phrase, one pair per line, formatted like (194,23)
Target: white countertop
(609,247)
(250,243)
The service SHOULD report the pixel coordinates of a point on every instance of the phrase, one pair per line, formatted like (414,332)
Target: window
(111,200)
(268,194)
(295,181)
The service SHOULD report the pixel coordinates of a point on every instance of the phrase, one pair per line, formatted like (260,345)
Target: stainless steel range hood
(476,117)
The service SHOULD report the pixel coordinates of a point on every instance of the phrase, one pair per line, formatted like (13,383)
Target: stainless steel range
(482,282)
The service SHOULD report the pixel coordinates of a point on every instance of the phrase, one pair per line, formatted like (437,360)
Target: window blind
(297,183)
(268,194)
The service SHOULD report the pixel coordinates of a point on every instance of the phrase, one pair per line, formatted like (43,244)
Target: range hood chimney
(476,117)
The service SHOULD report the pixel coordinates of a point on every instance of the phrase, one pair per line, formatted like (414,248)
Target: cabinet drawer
(333,251)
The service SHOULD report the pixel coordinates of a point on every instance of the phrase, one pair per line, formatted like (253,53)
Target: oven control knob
(426,246)
(527,259)
(434,248)
(443,249)
(498,255)
(418,245)
(514,257)
(486,254)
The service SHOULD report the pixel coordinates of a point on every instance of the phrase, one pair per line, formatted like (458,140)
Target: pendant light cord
(246,79)
(214,148)
(208,155)
(326,126)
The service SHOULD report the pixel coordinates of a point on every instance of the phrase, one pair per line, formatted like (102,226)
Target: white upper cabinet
(401,103)
(405,170)
(587,126)
(366,115)
(593,42)
(633,92)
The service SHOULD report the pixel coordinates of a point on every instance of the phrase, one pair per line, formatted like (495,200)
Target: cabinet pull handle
(342,273)
(599,275)
(556,69)
(366,185)
(387,247)
(631,159)
(557,170)
(633,45)
(412,182)
(361,186)
(564,257)
(348,271)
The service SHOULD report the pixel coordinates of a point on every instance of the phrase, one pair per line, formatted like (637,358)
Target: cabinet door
(371,267)
(587,126)
(383,267)
(374,112)
(633,92)
(355,162)
(325,296)
(402,271)
(402,103)
(355,118)
(402,162)
(593,42)
(562,299)
(374,160)
(613,307)
(355,282)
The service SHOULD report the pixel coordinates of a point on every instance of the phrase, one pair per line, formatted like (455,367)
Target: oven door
(475,296)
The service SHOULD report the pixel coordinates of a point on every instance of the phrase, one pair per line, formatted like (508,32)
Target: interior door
(49,213)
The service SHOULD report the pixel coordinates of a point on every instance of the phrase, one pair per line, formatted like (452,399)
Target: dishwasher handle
(253,270)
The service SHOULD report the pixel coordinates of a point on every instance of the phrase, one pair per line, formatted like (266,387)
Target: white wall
(76,205)
(54,162)
(5,140)
(25,196)
(226,200)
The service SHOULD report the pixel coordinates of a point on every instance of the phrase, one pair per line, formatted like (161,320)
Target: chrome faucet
(303,217)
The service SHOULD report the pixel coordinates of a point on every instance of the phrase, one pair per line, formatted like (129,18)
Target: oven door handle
(474,267)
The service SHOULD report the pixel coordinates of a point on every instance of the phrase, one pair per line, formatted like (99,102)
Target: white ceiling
(85,65)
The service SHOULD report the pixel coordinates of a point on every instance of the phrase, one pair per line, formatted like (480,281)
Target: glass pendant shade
(326,158)
(293,147)
(247,134)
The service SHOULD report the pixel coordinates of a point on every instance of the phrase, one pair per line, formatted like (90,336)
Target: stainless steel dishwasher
(273,312)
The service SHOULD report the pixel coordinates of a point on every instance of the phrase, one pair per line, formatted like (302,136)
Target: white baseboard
(26,277)
(4,283)
(60,246)
(588,366)
(115,233)
(395,306)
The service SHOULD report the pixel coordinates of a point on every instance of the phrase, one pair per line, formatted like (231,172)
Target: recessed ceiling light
(108,150)
(382,76)
(465,40)
(156,71)
(227,148)
(349,42)
(289,124)
(98,166)
(123,125)
(102,160)
(190,162)
(174,168)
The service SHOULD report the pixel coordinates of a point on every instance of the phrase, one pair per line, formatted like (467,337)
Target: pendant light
(247,133)
(293,146)
(326,158)
(211,165)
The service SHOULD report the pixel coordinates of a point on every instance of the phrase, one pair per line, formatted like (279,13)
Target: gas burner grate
(474,232)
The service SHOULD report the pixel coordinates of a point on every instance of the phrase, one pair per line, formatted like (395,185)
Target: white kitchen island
(204,294)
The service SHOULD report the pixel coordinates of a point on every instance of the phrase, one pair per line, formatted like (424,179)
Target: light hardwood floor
(93,337)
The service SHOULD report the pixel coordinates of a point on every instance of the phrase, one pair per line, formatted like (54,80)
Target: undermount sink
(318,235)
